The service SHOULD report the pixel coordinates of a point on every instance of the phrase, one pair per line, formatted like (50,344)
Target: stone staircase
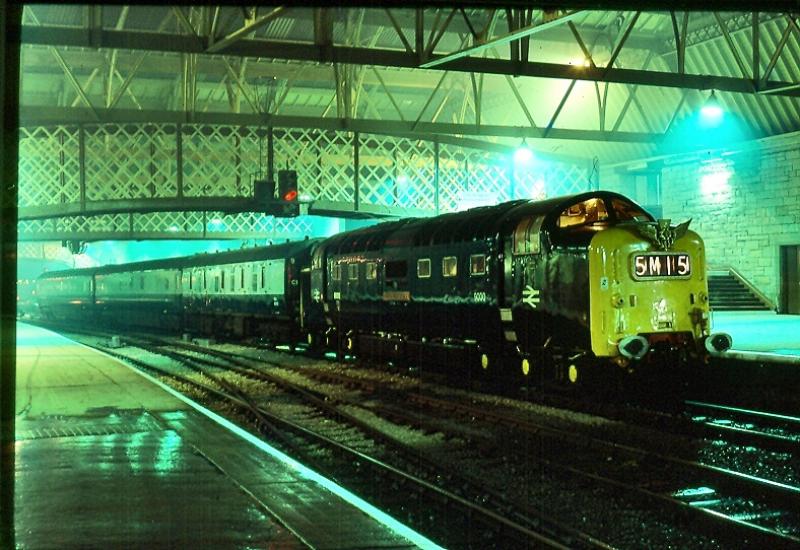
(728,293)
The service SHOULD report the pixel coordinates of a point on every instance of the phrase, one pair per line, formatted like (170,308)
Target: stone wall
(745,203)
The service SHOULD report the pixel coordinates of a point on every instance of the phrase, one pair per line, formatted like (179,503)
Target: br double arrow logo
(530,296)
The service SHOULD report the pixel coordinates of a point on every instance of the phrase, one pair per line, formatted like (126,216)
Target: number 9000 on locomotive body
(580,284)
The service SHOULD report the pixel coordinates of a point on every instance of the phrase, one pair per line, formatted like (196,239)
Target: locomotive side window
(372,271)
(449,266)
(477,264)
(424,268)
(337,272)
(352,272)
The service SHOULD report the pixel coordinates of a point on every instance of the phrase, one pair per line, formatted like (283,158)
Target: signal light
(287,185)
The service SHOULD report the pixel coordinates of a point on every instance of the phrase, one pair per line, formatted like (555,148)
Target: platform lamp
(523,154)
(712,112)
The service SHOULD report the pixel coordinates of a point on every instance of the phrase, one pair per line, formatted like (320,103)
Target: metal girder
(161,42)
(220,45)
(444,132)
(504,39)
(224,204)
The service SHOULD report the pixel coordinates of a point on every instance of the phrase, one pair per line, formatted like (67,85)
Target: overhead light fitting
(712,111)
(523,153)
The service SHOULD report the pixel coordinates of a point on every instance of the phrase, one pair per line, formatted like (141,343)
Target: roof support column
(356,191)
(10,23)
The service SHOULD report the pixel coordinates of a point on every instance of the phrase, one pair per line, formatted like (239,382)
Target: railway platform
(108,457)
(761,334)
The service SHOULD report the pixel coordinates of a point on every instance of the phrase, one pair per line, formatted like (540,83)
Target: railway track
(725,505)
(758,428)
(502,525)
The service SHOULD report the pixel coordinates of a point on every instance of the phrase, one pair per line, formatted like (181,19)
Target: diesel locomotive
(571,286)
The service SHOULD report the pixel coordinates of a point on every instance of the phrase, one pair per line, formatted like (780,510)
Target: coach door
(790,279)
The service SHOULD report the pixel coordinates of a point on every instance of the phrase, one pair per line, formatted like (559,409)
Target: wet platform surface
(105,458)
(760,331)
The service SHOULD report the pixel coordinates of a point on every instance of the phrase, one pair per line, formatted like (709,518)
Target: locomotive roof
(283,250)
(483,222)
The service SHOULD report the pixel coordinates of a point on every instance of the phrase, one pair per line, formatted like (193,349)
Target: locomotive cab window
(625,211)
(588,212)
(449,266)
(477,264)
(424,268)
(372,271)
(352,272)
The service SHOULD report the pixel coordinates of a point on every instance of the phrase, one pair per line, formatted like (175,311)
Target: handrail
(761,296)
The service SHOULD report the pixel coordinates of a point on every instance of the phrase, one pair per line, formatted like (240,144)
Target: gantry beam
(160,42)
(442,131)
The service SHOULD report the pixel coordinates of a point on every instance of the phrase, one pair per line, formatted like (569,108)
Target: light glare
(523,155)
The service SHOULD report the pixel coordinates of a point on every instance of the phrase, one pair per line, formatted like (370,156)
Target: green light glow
(305,472)
(168,457)
(134,451)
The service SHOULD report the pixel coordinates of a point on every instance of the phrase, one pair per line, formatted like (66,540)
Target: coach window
(477,264)
(216,282)
(222,284)
(449,266)
(141,282)
(205,280)
(254,280)
(263,275)
(241,277)
(352,272)
(372,270)
(424,268)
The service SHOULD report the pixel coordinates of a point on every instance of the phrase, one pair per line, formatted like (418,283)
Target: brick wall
(744,203)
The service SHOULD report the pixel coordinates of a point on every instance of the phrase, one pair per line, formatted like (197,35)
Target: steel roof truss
(731,46)
(504,39)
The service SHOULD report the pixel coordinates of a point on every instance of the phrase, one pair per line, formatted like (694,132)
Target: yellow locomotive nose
(644,295)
